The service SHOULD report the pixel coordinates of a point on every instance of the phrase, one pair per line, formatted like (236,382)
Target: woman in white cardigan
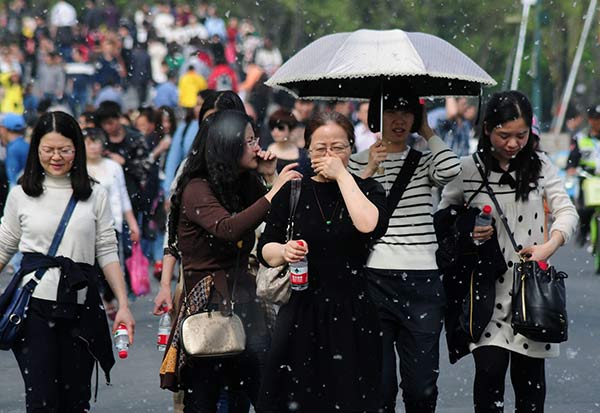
(65,331)
(521,179)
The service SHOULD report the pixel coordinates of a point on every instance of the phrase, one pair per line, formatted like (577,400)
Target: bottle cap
(301,243)
(487,209)
(123,354)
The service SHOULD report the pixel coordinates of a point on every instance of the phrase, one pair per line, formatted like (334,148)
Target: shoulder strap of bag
(495,201)
(60,232)
(403,179)
(294,197)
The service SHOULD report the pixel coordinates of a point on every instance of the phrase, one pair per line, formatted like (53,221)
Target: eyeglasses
(281,127)
(47,152)
(252,141)
(322,150)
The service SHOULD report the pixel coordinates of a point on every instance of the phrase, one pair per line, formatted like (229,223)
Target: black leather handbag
(539,299)
(539,303)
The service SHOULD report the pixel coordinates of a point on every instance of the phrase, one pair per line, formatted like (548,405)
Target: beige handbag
(273,283)
(213,333)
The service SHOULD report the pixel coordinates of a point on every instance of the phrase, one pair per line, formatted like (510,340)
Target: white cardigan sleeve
(453,193)
(10,226)
(564,214)
(106,239)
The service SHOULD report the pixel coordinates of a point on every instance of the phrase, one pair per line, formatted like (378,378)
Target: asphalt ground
(573,379)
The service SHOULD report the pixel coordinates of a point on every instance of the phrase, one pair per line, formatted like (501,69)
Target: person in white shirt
(110,175)
(363,137)
(65,331)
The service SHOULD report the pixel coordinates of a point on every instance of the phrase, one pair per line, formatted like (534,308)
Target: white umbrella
(364,62)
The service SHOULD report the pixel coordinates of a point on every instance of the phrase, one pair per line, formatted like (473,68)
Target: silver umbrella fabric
(361,63)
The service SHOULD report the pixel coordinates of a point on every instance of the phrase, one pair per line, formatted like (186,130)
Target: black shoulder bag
(403,179)
(15,300)
(539,300)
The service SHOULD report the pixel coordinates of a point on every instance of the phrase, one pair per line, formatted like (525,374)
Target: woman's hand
(125,317)
(544,251)
(267,163)
(329,167)
(482,234)
(377,154)
(425,130)
(134,232)
(287,174)
(163,301)
(293,251)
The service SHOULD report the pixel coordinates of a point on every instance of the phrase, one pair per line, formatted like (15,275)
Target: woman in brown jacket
(218,203)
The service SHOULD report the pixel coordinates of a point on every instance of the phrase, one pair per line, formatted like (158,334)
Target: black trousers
(239,375)
(527,375)
(411,307)
(56,365)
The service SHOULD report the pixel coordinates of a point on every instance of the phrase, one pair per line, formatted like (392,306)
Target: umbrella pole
(381,111)
(380,170)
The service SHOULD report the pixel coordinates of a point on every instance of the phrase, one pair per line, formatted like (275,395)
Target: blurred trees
(485,30)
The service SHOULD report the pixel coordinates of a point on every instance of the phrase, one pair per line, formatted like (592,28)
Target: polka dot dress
(527,220)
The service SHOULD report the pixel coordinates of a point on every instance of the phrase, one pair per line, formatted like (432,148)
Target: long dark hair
(221,145)
(170,113)
(33,176)
(505,107)
(224,100)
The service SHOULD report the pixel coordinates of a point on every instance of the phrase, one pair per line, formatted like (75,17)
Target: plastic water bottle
(484,219)
(164,330)
(122,341)
(299,273)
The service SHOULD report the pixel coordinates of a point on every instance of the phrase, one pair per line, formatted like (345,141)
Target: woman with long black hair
(218,203)
(521,178)
(65,331)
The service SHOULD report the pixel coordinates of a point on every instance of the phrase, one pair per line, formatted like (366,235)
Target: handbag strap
(403,179)
(296,186)
(496,203)
(60,232)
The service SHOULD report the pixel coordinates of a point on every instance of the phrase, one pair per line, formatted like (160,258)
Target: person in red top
(223,77)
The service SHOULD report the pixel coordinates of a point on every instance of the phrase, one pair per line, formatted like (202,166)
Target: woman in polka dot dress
(521,179)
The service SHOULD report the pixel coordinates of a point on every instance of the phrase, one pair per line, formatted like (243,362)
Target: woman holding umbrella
(402,268)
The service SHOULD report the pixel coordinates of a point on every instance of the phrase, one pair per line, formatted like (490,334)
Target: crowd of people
(157,55)
(160,126)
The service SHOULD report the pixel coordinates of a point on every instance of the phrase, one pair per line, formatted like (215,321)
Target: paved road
(573,378)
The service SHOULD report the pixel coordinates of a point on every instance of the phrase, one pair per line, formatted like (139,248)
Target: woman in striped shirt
(404,280)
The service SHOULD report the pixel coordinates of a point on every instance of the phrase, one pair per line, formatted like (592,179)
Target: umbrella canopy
(361,63)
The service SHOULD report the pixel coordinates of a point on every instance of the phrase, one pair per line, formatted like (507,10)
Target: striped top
(410,243)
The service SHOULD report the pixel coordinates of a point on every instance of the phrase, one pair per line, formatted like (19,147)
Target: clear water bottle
(299,273)
(122,341)
(484,219)
(164,330)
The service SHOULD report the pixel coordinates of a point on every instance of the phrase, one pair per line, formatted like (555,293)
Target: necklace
(337,204)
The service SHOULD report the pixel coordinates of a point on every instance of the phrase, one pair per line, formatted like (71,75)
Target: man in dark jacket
(128,148)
